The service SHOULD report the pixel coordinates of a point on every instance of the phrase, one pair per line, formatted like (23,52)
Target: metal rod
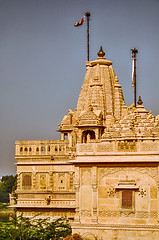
(134,52)
(88,15)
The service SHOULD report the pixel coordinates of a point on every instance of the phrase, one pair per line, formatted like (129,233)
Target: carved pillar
(34,180)
(94,194)
(62,136)
(96,133)
(18,181)
(77,189)
(51,180)
(88,138)
(79,136)
(70,140)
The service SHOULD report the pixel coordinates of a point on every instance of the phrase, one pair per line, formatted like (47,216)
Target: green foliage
(4,197)
(3,206)
(8,184)
(20,228)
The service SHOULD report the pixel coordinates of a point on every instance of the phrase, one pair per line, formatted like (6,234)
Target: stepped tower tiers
(100,104)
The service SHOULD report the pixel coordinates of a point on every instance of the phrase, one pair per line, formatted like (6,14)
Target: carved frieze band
(137,214)
(152,172)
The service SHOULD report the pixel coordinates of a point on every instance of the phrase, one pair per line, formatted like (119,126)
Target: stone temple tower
(100,104)
(103,173)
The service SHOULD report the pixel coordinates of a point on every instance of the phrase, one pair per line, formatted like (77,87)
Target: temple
(103,174)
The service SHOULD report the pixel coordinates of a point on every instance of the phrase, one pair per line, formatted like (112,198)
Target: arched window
(30,149)
(43,149)
(48,148)
(37,149)
(55,148)
(65,136)
(21,149)
(25,149)
(26,181)
(60,148)
(87,136)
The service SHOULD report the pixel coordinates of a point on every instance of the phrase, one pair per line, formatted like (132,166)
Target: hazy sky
(42,61)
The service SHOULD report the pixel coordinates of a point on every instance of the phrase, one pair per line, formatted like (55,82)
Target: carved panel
(86,213)
(152,172)
(86,147)
(61,181)
(86,176)
(107,147)
(149,146)
(127,146)
(42,180)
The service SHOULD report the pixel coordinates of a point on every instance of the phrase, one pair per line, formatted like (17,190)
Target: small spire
(140,102)
(101,53)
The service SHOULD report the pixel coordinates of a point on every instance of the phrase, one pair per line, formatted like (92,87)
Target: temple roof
(139,123)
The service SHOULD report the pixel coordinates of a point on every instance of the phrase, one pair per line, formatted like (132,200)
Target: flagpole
(88,18)
(134,52)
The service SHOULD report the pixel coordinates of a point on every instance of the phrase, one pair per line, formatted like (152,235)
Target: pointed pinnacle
(140,102)
(101,53)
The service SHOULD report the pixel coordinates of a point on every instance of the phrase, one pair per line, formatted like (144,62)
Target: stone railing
(51,147)
(118,146)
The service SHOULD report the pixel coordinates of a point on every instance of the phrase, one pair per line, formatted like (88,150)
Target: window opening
(127,199)
(43,149)
(65,136)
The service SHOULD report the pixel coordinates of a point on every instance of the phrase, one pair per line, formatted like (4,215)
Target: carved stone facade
(103,174)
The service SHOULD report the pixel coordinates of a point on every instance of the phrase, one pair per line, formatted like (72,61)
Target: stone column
(51,180)
(96,133)
(34,180)
(18,181)
(77,199)
(88,138)
(70,140)
(77,204)
(79,135)
(62,136)
(94,194)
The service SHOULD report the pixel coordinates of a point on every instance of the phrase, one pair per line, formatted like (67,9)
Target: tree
(21,228)
(7,185)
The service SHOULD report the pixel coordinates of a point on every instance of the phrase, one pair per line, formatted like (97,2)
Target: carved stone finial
(140,102)
(101,53)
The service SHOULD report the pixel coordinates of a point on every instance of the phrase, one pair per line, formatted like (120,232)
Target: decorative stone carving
(86,176)
(137,214)
(142,192)
(111,192)
(152,172)
(85,213)
(127,146)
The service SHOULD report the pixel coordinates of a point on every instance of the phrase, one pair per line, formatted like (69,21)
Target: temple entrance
(87,136)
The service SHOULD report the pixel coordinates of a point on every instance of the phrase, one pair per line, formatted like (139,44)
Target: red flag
(80,23)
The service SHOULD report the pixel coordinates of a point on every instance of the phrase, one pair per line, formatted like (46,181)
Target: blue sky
(42,61)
